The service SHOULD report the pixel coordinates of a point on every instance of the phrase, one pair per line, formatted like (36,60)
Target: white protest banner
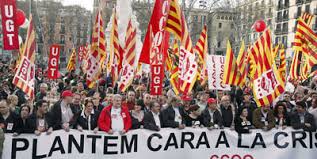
(189,143)
(215,67)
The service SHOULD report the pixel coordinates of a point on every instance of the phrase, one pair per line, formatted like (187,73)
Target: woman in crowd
(281,115)
(25,123)
(137,114)
(88,118)
(242,124)
(13,101)
(194,119)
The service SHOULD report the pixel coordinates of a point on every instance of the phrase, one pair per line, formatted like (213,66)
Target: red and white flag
(9,26)
(25,75)
(52,72)
(127,73)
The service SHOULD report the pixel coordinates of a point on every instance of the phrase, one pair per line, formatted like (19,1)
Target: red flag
(9,26)
(52,72)
(159,15)
(80,53)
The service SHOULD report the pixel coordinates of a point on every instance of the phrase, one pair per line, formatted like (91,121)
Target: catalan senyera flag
(72,61)
(201,50)
(231,75)
(174,74)
(282,67)
(275,51)
(188,66)
(25,75)
(267,83)
(114,59)
(96,53)
(297,71)
(127,73)
(242,62)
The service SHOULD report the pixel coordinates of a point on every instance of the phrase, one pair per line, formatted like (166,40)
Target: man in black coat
(7,118)
(301,119)
(173,115)
(227,111)
(211,116)
(62,114)
(153,119)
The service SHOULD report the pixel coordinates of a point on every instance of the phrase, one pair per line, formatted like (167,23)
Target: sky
(88,4)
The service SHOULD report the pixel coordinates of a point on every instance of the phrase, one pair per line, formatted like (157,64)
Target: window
(219,25)
(285,27)
(277,40)
(284,40)
(195,18)
(219,44)
(307,8)
(203,19)
(299,11)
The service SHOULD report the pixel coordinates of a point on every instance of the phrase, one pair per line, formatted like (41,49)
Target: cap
(67,93)
(211,100)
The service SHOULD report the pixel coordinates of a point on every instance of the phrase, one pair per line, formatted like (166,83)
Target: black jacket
(82,120)
(240,126)
(29,126)
(189,121)
(227,115)
(149,122)
(169,117)
(9,123)
(206,118)
(250,109)
(55,116)
(286,120)
(308,118)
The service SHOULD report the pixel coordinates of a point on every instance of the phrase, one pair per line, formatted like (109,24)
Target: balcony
(308,1)
(299,2)
(285,18)
(279,19)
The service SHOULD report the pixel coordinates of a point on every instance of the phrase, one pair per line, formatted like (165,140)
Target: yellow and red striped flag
(127,73)
(114,64)
(97,52)
(267,83)
(242,62)
(71,65)
(282,67)
(231,75)
(174,75)
(201,50)
(188,66)
(296,71)
(25,75)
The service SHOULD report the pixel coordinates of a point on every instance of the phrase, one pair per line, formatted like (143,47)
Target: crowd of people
(67,103)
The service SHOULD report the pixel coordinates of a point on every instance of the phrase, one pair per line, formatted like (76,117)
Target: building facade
(287,13)
(67,26)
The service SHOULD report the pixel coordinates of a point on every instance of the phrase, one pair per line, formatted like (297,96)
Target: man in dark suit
(62,114)
(173,115)
(301,119)
(153,119)
(211,116)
